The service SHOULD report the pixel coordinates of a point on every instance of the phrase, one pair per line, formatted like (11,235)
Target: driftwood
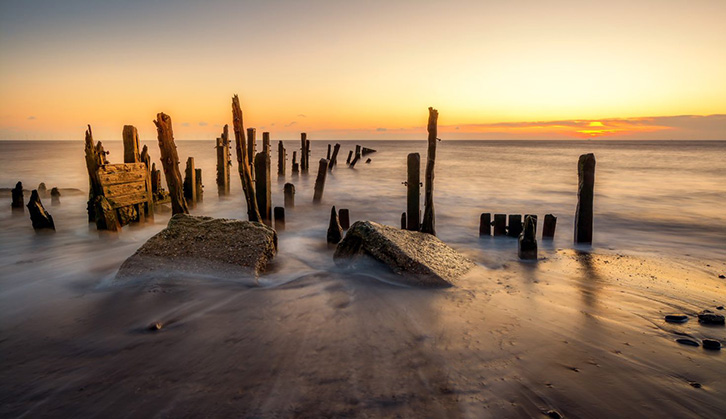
(190,182)
(40,218)
(334,157)
(335,231)
(279,218)
(429,217)
(485,224)
(500,224)
(320,181)
(515,225)
(357,156)
(344,217)
(131,144)
(289,192)
(527,244)
(585,194)
(413,192)
(55,197)
(253,214)
(18,202)
(199,189)
(262,187)
(251,149)
(548,228)
(170,163)
(281,159)
(223,162)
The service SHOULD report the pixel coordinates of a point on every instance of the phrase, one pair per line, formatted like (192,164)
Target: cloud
(381,129)
(185,124)
(203,124)
(301,115)
(272,124)
(291,124)
(30,118)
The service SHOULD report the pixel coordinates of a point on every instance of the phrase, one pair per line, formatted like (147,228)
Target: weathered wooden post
(279,218)
(289,191)
(350,155)
(18,202)
(344,216)
(320,181)
(223,162)
(403,221)
(585,194)
(252,149)
(335,231)
(368,161)
(548,228)
(413,192)
(131,144)
(55,197)
(534,218)
(365,151)
(95,157)
(295,165)
(42,190)
(262,186)
(281,159)
(304,152)
(500,224)
(170,162)
(38,215)
(485,224)
(248,186)
(334,158)
(155,180)
(266,147)
(527,240)
(199,189)
(357,156)
(190,182)
(329,150)
(146,159)
(515,225)
(429,218)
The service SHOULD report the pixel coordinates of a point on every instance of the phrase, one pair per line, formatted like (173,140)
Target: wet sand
(578,333)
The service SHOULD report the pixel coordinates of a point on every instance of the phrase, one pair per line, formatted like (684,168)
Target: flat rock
(688,342)
(676,318)
(711,344)
(419,259)
(203,246)
(709,317)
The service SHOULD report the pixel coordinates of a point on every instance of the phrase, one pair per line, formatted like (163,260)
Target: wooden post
(368,161)
(527,244)
(334,158)
(413,192)
(485,224)
(289,191)
(223,162)
(131,144)
(328,156)
(515,225)
(243,164)
(190,182)
(365,151)
(266,144)
(295,165)
(500,224)
(357,156)
(42,190)
(403,221)
(281,159)
(279,218)
(320,181)
(149,206)
(55,197)
(548,228)
(344,216)
(106,218)
(350,154)
(534,218)
(429,218)
(95,157)
(585,194)
(262,185)
(335,231)
(304,150)
(155,179)
(252,149)
(199,189)
(38,215)
(170,162)
(18,198)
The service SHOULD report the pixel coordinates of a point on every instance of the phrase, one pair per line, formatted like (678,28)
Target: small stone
(689,342)
(153,327)
(722,276)
(709,317)
(719,308)
(676,318)
(694,384)
(711,344)
(553,414)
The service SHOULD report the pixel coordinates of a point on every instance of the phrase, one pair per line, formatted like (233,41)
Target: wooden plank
(113,174)
(124,189)
(126,200)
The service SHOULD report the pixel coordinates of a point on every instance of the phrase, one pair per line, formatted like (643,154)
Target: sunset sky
(365,70)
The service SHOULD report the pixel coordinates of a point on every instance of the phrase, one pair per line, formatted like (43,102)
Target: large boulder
(203,246)
(419,259)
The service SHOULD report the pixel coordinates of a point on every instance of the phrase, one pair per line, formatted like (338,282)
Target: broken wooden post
(357,156)
(344,216)
(304,152)
(170,163)
(429,218)
(155,180)
(289,191)
(131,144)
(42,190)
(585,186)
(350,154)
(295,165)
(334,158)
(368,161)
(41,219)
(106,218)
(320,181)
(366,151)
(279,218)
(534,218)
(199,189)
(223,162)
(403,221)
(500,224)
(146,159)
(515,225)
(485,224)
(266,148)
(95,157)
(55,197)
(262,186)
(335,231)
(548,228)
(18,202)
(281,159)
(527,240)
(413,192)
(190,182)
(329,149)
(243,164)
(252,149)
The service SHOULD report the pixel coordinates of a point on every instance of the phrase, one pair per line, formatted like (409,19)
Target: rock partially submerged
(203,246)
(420,259)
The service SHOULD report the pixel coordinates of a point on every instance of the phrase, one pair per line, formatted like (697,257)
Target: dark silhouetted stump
(320,181)
(485,224)
(223,162)
(295,164)
(170,162)
(146,159)
(413,192)
(304,152)
(55,197)
(243,164)
(334,158)
(18,202)
(131,144)
(263,187)
(429,218)
(500,224)
(41,219)
(251,149)
(515,225)
(335,231)
(357,156)
(190,182)
(403,220)
(106,218)
(366,151)
(329,150)
(585,194)
(42,190)
(266,146)
(534,217)
(350,155)
(281,159)
(548,228)
(199,189)
(279,218)
(527,240)
(344,217)
(368,161)
(289,191)
(155,180)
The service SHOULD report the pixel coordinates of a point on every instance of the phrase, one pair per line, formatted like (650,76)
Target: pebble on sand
(711,344)
(689,342)
(676,318)
(709,317)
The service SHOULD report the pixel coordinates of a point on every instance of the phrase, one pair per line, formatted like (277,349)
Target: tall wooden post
(304,144)
(170,162)
(328,156)
(155,179)
(94,159)
(262,185)
(350,154)
(281,159)
(149,206)
(585,194)
(413,192)
(289,192)
(335,231)
(320,181)
(243,164)
(357,156)
(199,188)
(548,228)
(266,143)
(279,218)
(223,162)
(252,149)
(131,144)
(344,216)
(527,240)
(429,218)
(515,225)
(500,224)
(190,182)
(334,158)
(485,224)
